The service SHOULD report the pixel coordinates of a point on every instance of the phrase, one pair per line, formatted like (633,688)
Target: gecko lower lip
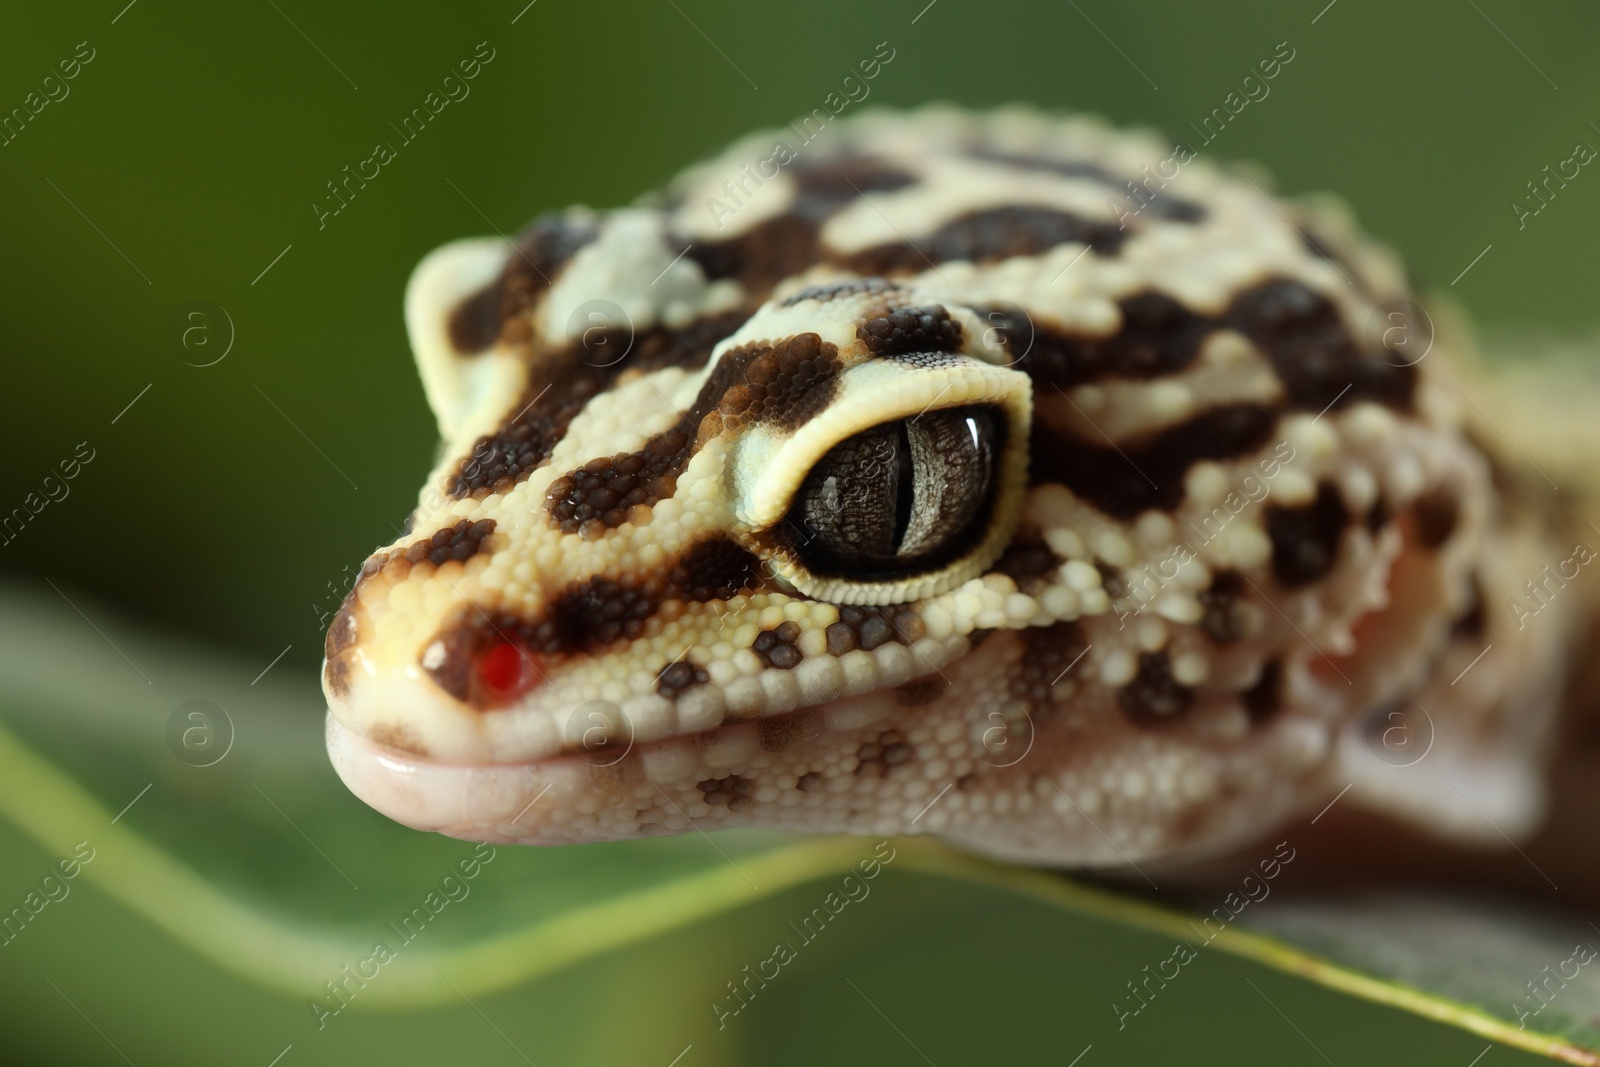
(495,802)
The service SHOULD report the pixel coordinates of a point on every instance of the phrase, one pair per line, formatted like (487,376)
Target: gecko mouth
(479,801)
(528,800)
(595,788)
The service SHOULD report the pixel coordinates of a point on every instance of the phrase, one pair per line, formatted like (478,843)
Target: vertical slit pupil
(905,485)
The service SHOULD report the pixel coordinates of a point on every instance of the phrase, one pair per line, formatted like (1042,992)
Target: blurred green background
(225,505)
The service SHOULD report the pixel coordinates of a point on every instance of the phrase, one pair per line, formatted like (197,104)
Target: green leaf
(264,865)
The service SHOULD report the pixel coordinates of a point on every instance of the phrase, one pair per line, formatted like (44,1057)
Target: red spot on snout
(505,671)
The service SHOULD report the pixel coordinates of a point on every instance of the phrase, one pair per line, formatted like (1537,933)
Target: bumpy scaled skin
(1151,538)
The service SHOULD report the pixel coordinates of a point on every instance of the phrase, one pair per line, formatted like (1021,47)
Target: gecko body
(999,476)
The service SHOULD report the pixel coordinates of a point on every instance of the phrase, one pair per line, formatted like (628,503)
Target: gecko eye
(901,496)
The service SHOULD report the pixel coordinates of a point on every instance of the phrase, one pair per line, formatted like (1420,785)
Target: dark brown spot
(1305,540)
(452,655)
(1222,617)
(543,412)
(764,255)
(590,614)
(1027,560)
(866,627)
(875,758)
(1176,210)
(1437,511)
(785,383)
(596,612)
(990,235)
(569,380)
(776,648)
(688,347)
(785,245)
(500,309)
(1320,364)
(1047,654)
(735,792)
(841,638)
(1154,696)
(336,677)
(678,676)
(397,736)
(920,691)
(344,630)
(903,330)
(1124,482)
(1264,700)
(808,781)
(459,543)
(785,731)
(825,185)
(1158,336)
(475,323)
(604,490)
(714,569)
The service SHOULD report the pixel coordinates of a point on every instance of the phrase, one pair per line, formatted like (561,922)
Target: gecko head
(657,565)
(769,526)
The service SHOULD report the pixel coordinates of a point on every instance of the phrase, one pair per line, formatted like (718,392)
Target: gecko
(1000,476)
